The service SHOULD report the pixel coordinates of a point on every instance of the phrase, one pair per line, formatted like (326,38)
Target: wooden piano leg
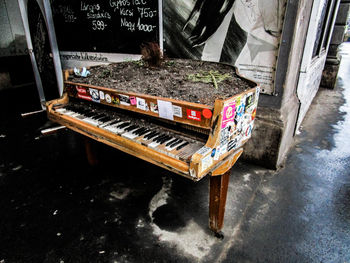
(217,202)
(90,150)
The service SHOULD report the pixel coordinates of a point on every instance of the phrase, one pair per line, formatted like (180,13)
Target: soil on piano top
(180,79)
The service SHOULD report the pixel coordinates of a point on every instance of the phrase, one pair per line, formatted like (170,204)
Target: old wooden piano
(187,138)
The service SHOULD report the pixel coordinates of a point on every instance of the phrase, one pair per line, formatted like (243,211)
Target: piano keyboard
(141,131)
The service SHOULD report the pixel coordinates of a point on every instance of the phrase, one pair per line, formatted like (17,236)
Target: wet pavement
(56,208)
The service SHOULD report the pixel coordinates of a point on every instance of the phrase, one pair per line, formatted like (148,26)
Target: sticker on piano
(81,90)
(225,135)
(94,95)
(154,107)
(194,115)
(102,95)
(141,104)
(228,114)
(177,111)
(133,100)
(232,144)
(220,150)
(206,163)
(84,97)
(165,109)
(204,150)
(249,101)
(108,98)
(115,100)
(124,99)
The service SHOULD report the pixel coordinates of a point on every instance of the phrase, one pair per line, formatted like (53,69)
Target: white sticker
(206,162)
(177,111)
(108,98)
(204,150)
(165,109)
(102,95)
(124,99)
(94,95)
(141,104)
(154,107)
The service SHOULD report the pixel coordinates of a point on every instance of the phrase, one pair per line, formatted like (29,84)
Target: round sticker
(108,98)
(207,113)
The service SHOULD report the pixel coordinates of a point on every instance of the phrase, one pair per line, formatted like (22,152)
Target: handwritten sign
(118,26)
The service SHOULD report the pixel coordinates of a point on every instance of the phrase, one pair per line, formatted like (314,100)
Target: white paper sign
(165,109)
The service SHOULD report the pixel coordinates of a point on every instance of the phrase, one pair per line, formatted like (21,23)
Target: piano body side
(232,125)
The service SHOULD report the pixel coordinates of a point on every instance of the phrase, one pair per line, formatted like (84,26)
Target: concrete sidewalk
(55,208)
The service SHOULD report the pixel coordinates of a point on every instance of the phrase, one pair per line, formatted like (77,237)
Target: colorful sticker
(228,114)
(204,150)
(253,114)
(206,162)
(124,99)
(248,131)
(133,100)
(165,109)
(193,115)
(154,107)
(177,111)
(115,100)
(249,101)
(102,95)
(108,98)
(141,104)
(94,95)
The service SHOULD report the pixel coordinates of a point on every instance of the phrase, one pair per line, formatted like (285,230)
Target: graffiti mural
(244,33)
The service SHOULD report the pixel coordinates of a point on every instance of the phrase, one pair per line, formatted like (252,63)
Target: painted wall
(242,33)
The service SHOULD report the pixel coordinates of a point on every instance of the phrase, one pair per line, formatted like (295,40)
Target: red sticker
(194,115)
(207,113)
(85,97)
(81,90)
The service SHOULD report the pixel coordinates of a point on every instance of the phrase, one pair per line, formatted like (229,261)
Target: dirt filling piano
(187,138)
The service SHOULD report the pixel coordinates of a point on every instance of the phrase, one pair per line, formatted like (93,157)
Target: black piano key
(170,142)
(132,127)
(155,139)
(99,116)
(144,132)
(175,143)
(105,119)
(150,135)
(155,135)
(166,138)
(114,122)
(181,146)
(123,125)
(138,130)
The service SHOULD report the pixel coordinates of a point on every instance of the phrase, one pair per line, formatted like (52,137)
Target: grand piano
(188,138)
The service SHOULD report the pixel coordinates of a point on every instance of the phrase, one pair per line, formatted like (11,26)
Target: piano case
(187,138)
